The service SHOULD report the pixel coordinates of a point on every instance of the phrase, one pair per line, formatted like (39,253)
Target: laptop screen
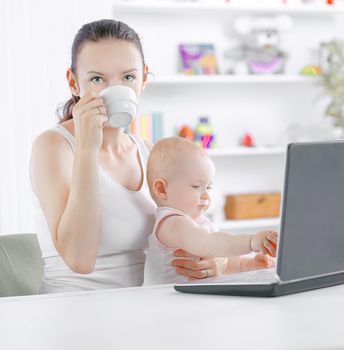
(312,219)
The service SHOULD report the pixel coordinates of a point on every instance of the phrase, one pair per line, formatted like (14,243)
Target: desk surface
(161,318)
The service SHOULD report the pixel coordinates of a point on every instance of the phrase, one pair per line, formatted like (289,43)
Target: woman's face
(105,63)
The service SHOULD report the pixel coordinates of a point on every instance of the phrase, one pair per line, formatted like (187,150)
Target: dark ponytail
(67,109)
(95,31)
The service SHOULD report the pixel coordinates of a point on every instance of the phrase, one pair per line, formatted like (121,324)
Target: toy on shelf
(247,140)
(310,69)
(198,59)
(187,133)
(259,51)
(203,134)
(313,67)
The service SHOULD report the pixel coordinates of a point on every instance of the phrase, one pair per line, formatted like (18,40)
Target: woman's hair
(93,32)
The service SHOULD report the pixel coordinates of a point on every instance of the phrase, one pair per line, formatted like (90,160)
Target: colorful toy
(310,70)
(198,59)
(187,133)
(258,52)
(204,134)
(247,140)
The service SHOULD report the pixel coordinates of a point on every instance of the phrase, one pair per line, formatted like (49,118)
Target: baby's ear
(159,188)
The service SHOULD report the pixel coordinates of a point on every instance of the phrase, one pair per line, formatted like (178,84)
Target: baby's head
(180,175)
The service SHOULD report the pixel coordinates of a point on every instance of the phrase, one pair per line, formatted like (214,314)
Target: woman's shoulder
(47,140)
(50,141)
(52,137)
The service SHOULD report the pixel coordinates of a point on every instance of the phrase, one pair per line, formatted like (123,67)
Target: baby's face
(189,187)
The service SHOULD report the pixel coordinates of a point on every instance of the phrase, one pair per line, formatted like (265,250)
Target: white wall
(35,42)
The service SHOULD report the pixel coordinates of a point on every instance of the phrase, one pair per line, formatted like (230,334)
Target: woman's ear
(72,83)
(159,189)
(145,76)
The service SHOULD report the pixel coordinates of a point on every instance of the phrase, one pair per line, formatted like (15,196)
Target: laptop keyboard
(264,276)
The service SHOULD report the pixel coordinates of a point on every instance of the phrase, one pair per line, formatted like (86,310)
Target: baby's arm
(249,263)
(182,232)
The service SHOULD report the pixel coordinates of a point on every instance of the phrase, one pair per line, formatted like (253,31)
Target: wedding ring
(208,274)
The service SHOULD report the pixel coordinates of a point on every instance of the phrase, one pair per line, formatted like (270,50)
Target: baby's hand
(261,261)
(265,242)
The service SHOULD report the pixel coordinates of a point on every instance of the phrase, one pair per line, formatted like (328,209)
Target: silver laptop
(311,242)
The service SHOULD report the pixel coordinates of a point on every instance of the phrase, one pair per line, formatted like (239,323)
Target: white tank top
(127,221)
(158,267)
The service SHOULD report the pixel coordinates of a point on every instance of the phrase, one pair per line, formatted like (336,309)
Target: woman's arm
(68,190)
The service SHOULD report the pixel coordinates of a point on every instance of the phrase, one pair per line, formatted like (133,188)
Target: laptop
(310,251)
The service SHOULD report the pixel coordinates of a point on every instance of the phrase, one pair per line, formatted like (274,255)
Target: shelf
(247,151)
(248,224)
(174,7)
(231,79)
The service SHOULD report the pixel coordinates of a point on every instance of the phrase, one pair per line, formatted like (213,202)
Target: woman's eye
(97,80)
(129,77)
(209,188)
(195,186)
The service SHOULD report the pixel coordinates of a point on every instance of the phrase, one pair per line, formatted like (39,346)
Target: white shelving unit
(232,79)
(172,7)
(247,151)
(265,105)
(248,225)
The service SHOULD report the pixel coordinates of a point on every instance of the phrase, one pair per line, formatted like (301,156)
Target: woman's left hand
(196,267)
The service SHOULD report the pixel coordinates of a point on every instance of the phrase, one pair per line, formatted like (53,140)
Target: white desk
(161,318)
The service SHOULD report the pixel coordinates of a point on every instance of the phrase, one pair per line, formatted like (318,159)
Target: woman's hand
(89,115)
(195,267)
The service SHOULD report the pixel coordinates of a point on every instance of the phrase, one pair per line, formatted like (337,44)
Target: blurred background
(241,78)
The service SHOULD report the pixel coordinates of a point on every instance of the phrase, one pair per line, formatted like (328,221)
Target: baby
(180,176)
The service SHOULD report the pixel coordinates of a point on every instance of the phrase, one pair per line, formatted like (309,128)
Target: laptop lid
(312,219)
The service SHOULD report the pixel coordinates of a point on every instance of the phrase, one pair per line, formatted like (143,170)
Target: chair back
(21,265)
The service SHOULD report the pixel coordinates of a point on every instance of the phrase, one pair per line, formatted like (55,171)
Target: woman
(93,219)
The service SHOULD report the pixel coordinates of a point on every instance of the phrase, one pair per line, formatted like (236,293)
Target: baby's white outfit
(158,267)
(127,219)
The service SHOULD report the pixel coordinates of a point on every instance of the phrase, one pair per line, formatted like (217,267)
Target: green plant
(332,79)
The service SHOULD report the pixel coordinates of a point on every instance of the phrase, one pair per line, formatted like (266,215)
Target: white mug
(121,105)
